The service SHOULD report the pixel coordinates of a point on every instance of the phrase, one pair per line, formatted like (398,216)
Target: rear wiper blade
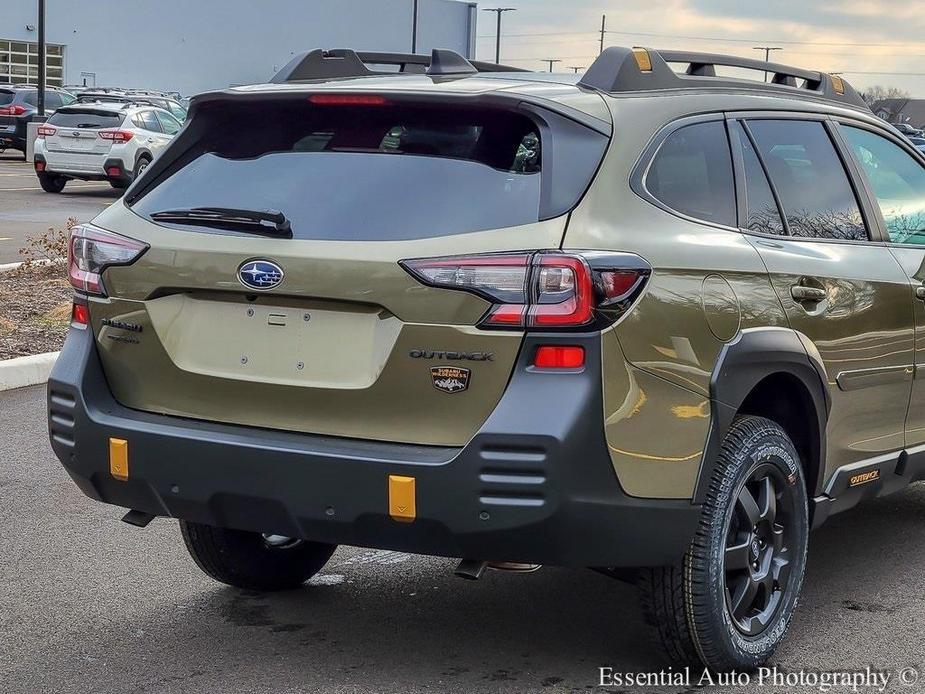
(271,222)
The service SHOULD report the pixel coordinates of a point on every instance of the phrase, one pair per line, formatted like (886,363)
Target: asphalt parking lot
(89,604)
(27,210)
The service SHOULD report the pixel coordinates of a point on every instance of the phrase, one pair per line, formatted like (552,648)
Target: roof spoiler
(620,69)
(341,63)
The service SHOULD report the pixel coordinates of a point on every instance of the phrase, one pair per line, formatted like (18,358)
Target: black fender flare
(743,363)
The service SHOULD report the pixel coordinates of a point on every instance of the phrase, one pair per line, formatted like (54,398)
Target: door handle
(920,292)
(808,294)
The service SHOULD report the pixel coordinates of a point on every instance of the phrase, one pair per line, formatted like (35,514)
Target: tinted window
(6,98)
(85,119)
(365,173)
(177,111)
(52,100)
(149,121)
(692,173)
(31,98)
(898,182)
(810,179)
(169,124)
(763,215)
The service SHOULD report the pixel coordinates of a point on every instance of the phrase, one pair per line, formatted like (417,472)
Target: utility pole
(499,11)
(414,27)
(576,68)
(603,30)
(551,61)
(767,55)
(41,95)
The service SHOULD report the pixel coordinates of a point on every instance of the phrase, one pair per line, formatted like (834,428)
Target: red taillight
(113,171)
(91,250)
(348,100)
(15,110)
(559,357)
(543,289)
(80,315)
(116,135)
(39,165)
(44,130)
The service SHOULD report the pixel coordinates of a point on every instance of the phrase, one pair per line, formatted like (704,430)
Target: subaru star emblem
(260,274)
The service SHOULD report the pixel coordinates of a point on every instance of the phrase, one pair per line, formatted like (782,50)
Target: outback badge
(450,379)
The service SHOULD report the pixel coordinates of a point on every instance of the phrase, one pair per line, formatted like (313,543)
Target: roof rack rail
(341,63)
(621,69)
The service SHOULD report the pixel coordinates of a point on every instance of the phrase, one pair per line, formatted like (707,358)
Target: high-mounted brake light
(547,290)
(44,130)
(14,110)
(91,250)
(116,135)
(348,100)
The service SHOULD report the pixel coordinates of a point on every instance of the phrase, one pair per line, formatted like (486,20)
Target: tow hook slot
(139,519)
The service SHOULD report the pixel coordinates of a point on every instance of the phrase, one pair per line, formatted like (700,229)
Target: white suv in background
(112,142)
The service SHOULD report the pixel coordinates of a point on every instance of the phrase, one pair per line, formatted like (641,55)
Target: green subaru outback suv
(652,320)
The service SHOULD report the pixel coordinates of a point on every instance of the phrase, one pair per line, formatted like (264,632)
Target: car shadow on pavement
(389,622)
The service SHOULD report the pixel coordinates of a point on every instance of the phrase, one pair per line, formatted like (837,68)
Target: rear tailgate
(348,343)
(76,130)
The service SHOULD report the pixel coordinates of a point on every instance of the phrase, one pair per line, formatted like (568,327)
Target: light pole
(414,27)
(551,61)
(40,104)
(767,55)
(498,11)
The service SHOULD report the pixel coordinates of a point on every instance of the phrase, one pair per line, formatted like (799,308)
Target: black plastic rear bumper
(534,485)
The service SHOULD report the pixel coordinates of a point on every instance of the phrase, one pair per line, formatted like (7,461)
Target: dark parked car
(908,130)
(19,106)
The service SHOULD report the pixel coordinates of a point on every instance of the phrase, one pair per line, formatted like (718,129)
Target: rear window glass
(6,98)
(810,179)
(692,173)
(364,173)
(85,119)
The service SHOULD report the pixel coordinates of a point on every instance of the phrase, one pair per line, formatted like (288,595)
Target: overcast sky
(856,37)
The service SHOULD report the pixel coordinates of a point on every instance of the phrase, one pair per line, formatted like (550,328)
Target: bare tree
(878,92)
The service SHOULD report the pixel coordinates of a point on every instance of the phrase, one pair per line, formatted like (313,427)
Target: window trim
(640,172)
(918,156)
(736,126)
(870,215)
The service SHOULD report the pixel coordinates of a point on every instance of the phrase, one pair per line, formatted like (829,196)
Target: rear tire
(729,603)
(51,183)
(247,560)
(143,162)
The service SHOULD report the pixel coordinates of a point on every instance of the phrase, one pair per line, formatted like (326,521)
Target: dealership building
(194,45)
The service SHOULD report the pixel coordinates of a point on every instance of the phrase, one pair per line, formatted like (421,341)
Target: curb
(26,371)
(9,266)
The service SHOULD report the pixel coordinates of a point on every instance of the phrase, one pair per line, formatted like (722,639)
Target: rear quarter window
(692,173)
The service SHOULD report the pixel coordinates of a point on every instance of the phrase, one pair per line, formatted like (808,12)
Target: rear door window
(810,179)
(692,173)
(897,180)
(169,124)
(380,172)
(149,121)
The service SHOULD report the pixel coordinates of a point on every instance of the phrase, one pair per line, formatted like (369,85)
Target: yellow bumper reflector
(118,459)
(401,499)
(643,59)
